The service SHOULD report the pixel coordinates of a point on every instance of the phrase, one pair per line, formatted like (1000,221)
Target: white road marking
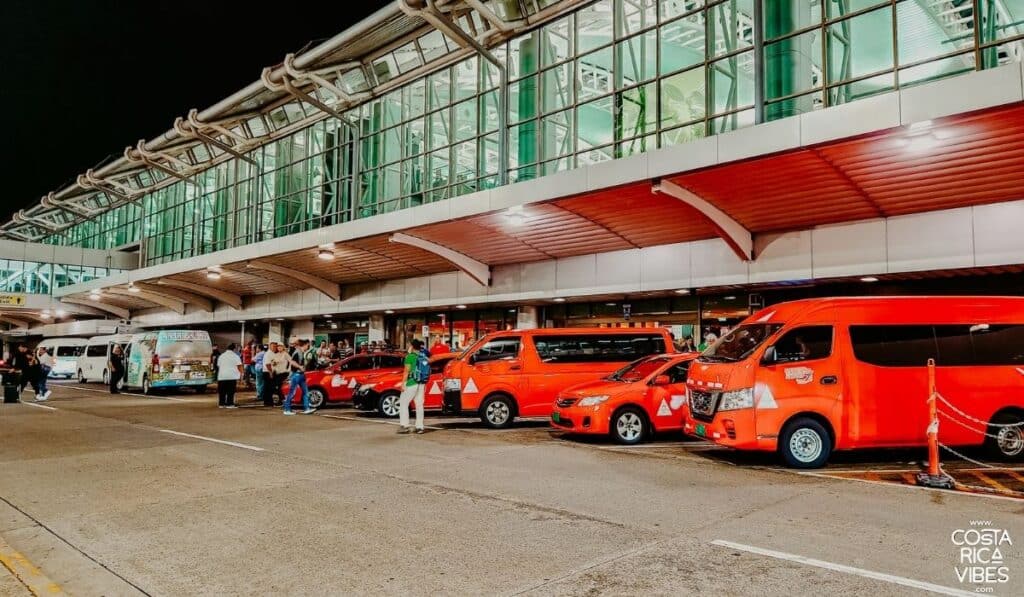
(171,398)
(379,421)
(889,578)
(214,440)
(38,405)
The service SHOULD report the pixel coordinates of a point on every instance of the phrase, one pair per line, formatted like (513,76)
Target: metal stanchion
(934,477)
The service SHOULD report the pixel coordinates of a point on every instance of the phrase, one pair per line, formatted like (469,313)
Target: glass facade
(608,80)
(43,278)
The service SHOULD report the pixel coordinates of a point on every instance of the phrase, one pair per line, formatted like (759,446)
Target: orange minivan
(519,373)
(808,377)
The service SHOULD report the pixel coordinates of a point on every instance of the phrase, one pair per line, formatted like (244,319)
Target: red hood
(382,376)
(598,387)
(721,376)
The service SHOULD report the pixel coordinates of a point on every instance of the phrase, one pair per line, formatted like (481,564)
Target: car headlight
(737,399)
(452,383)
(592,400)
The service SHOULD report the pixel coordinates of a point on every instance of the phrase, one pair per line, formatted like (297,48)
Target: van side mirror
(770,356)
(662,380)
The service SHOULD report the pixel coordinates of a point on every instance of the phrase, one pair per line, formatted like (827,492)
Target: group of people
(33,368)
(269,366)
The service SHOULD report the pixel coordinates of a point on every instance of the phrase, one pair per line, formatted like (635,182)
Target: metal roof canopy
(324,80)
(959,161)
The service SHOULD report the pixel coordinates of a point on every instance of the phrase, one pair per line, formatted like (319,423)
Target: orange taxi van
(808,377)
(519,373)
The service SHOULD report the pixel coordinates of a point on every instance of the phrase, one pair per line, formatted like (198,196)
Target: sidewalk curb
(34,580)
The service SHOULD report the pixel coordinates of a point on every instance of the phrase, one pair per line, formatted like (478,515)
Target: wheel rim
(1010,440)
(145,385)
(316,399)
(106,378)
(498,412)
(805,445)
(630,426)
(389,405)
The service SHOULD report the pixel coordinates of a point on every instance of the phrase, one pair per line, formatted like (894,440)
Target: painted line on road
(881,576)
(378,421)
(171,398)
(38,405)
(27,573)
(214,440)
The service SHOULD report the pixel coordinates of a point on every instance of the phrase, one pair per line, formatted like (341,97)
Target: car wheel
(389,404)
(805,443)
(317,398)
(81,376)
(1006,436)
(146,388)
(106,378)
(629,426)
(498,411)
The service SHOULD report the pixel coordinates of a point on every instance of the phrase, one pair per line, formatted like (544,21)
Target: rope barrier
(967,416)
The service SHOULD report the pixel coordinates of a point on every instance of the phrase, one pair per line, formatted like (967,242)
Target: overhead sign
(12,300)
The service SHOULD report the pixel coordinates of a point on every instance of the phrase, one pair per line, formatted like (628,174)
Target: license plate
(556,416)
(176,376)
(701,431)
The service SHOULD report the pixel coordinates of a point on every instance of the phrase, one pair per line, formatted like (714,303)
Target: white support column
(479,271)
(527,318)
(739,239)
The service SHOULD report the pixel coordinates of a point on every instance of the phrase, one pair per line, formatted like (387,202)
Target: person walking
(23,365)
(229,371)
(275,364)
(302,356)
(115,365)
(417,371)
(257,370)
(45,364)
(247,352)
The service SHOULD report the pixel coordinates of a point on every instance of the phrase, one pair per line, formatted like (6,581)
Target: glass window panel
(922,37)
(384,68)
(523,144)
(839,8)
(930,71)
(731,122)
(407,57)
(556,42)
(440,135)
(731,83)
(682,43)
(639,111)
(352,81)
(392,139)
(793,106)
(433,45)
(730,26)
(683,134)
(595,122)
(523,55)
(556,91)
(556,135)
(683,98)
(412,179)
(554,166)
(636,59)
(594,26)
(414,133)
(414,99)
(488,154)
(439,89)
(489,112)
(466,76)
(522,99)
(464,161)
(1004,53)
(594,75)
(673,8)
(842,94)
(860,45)
(465,120)
(786,16)
(1001,20)
(439,165)
(392,108)
(635,16)
(792,65)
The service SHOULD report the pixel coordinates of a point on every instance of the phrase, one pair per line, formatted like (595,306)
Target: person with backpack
(417,372)
(299,361)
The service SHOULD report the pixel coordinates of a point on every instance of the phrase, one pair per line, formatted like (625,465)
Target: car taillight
(156,364)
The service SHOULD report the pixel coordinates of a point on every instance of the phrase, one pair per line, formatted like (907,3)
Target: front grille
(702,404)
(564,402)
(563,422)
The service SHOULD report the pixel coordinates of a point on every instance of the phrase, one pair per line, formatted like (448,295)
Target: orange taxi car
(630,405)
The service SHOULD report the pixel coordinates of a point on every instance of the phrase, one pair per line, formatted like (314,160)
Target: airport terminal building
(457,167)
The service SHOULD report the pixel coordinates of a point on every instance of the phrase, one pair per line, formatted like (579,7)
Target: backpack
(421,373)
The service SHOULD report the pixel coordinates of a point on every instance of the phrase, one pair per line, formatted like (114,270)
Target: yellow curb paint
(34,580)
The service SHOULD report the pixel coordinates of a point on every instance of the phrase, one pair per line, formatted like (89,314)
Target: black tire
(1009,441)
(106,378)
(388,405)
(146,388)
(81,377)
(805,444)
(202,389)
(317,398)
(629,426)
(498,411)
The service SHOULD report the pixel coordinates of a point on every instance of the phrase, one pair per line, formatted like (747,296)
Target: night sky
(82,80)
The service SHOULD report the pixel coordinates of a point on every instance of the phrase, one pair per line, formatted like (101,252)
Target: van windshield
(638,370)
(739,343)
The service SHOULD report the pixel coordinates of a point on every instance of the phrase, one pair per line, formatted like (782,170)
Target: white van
(92,363)
(65,352)
(169,359)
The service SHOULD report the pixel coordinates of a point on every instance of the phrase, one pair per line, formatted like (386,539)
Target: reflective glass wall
(611,79)
(43,278)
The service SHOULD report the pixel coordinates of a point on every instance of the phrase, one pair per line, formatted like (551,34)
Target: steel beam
(178,306)
(330,289)
(479,271)
(112,309)
(739,239)
(191,298)
(232,300)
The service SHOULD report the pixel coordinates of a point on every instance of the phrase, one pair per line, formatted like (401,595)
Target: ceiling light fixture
(869,279)
(212,273)
(45,315)
(918,126)
(61,312)
(460,307)
(325,254)
(515,215)
(132,287)
(559,300)
(683,291)
(389,312)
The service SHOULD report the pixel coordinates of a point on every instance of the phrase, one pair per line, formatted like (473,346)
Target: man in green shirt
(415,383)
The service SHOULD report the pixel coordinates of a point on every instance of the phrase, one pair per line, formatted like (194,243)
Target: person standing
(23,365)
(45,364)
(298,361)
(257,370)
(417,371)
(440,347)
(229,371)
(115,365)
(275,363)
(247,351)
(214,355)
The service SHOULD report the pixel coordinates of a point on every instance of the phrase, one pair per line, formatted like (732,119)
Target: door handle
(829,380)
(514,367)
